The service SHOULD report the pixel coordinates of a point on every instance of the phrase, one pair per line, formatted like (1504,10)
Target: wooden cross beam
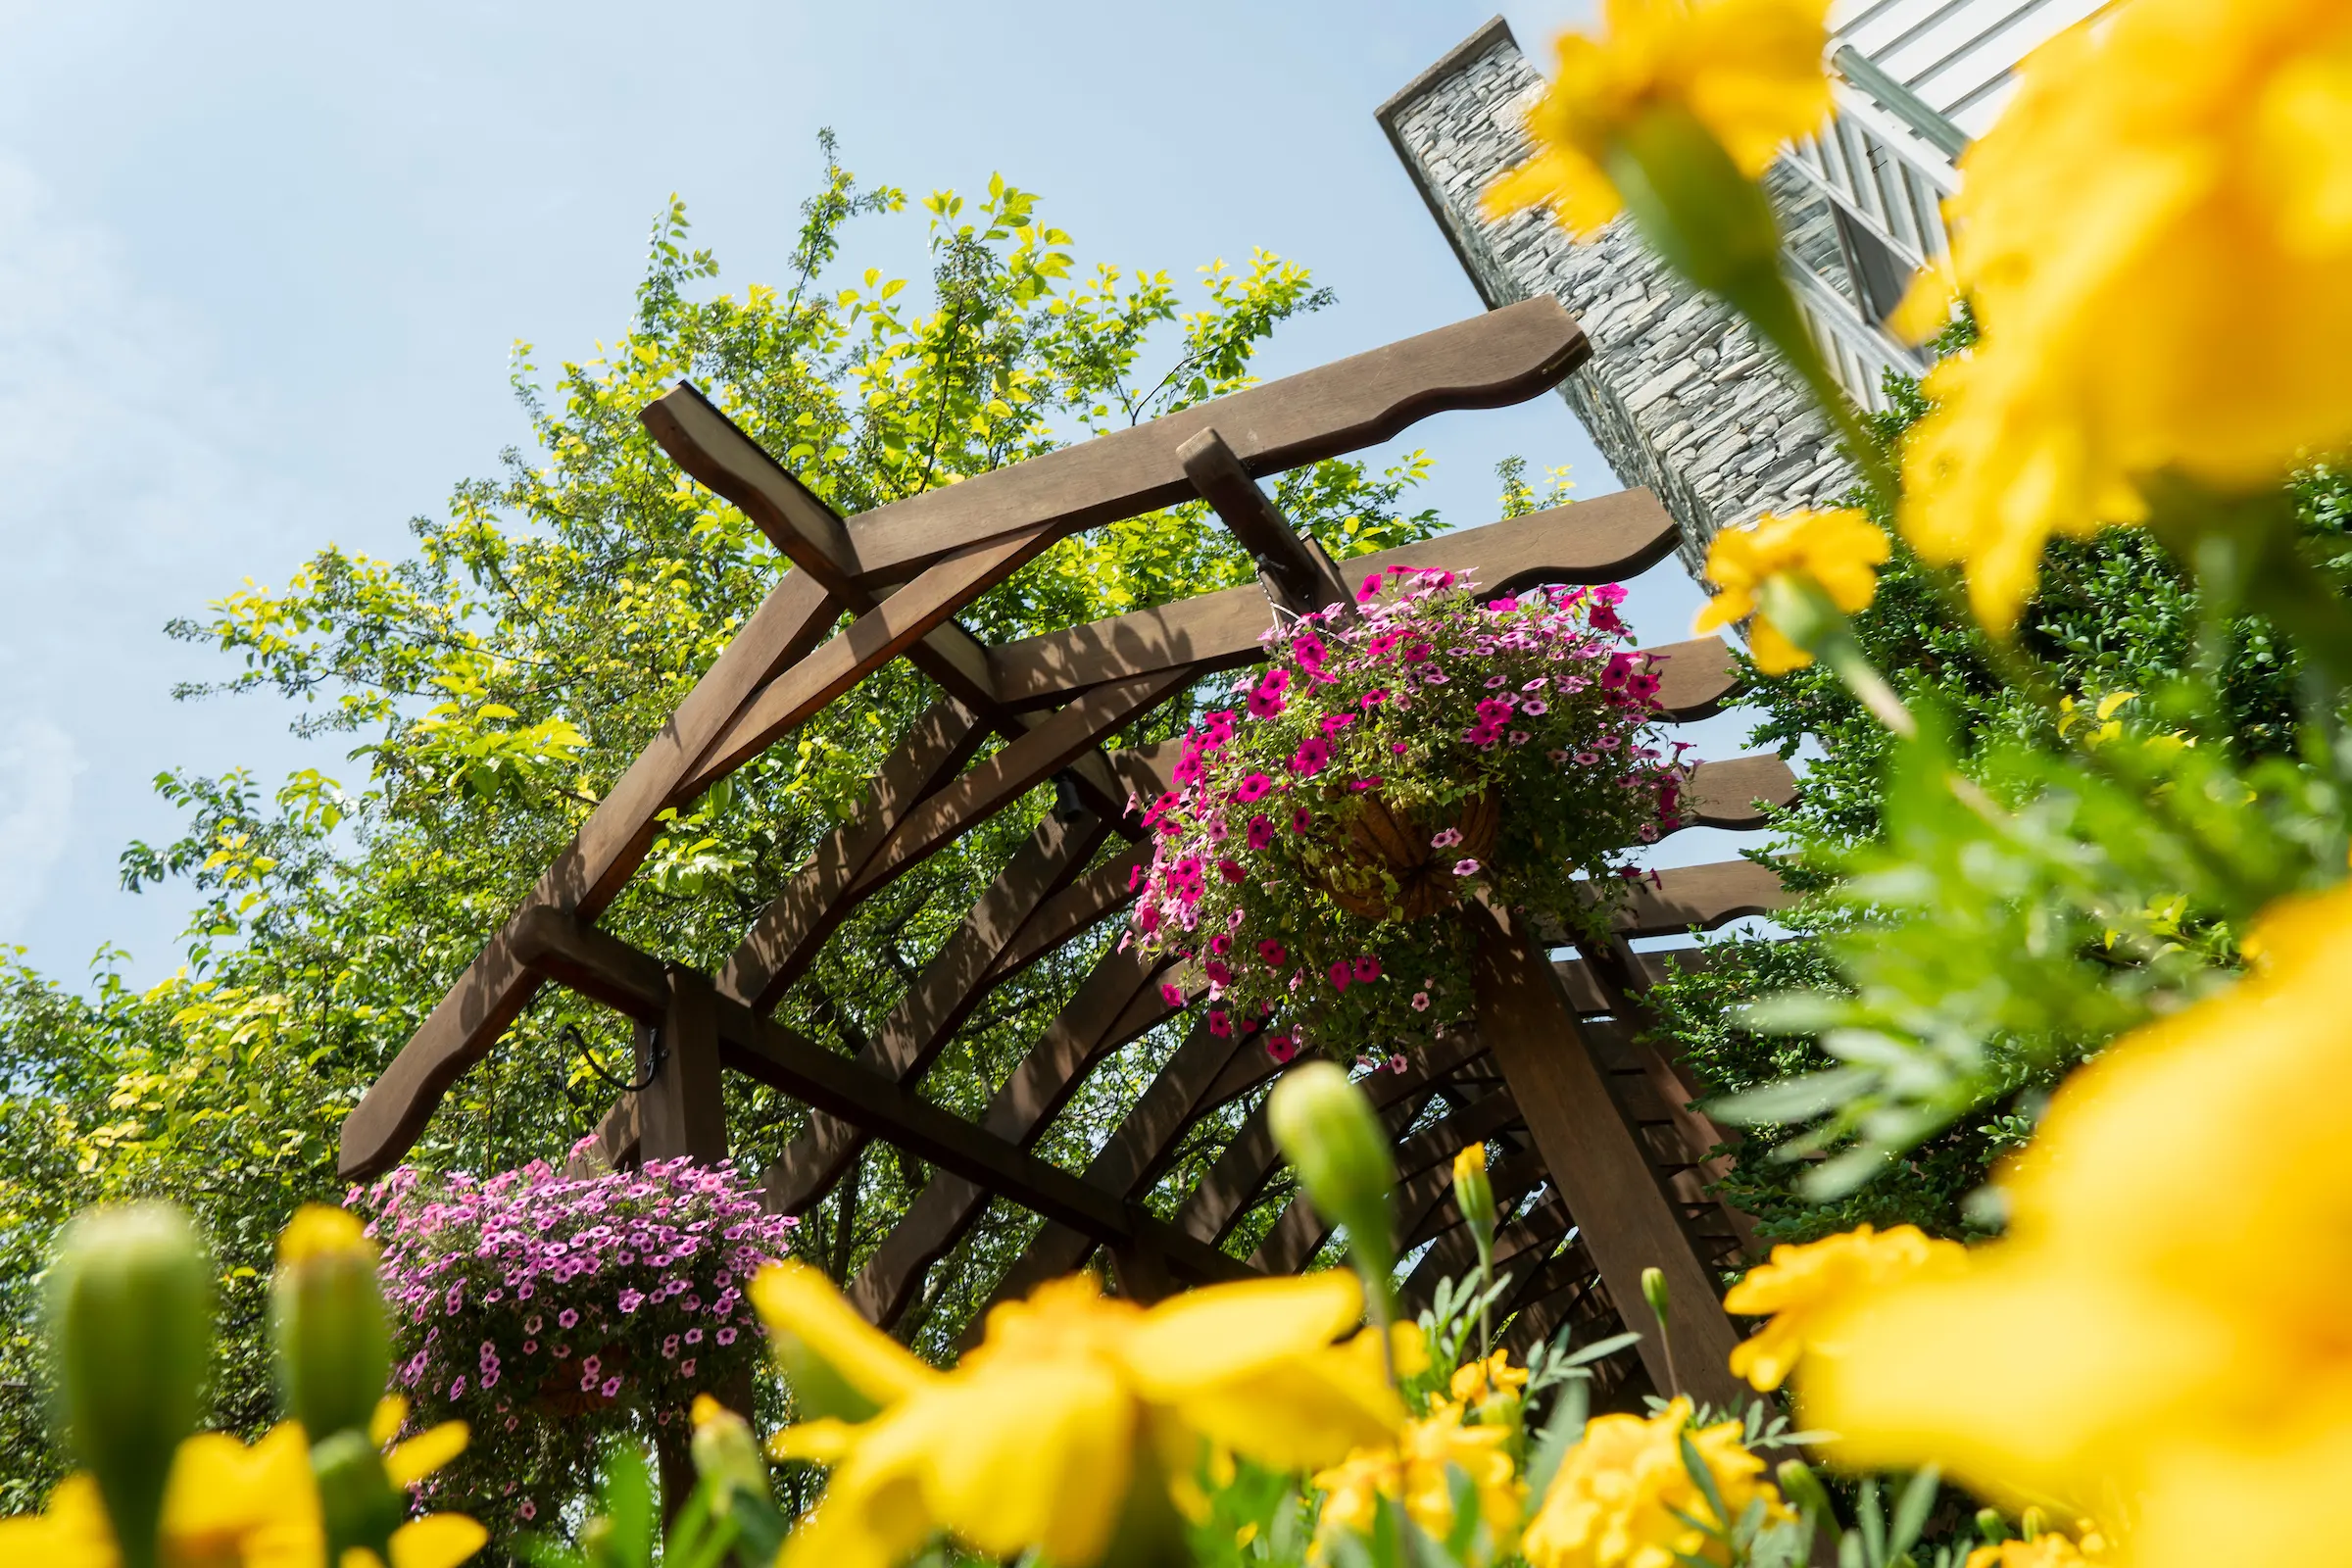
(600,965)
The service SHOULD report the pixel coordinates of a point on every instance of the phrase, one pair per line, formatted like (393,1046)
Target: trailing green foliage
(1886,1059)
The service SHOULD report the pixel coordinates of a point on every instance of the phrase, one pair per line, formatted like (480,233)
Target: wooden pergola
(1605,1168)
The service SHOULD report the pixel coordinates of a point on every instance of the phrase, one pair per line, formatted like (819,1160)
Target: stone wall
(1678,395)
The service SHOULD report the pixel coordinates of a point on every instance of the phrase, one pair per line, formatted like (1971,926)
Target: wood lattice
(1606,1168)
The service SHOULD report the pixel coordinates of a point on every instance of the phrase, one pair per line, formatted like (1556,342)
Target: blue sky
(262,264)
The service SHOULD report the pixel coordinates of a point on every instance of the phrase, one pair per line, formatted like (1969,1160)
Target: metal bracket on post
(683,1110)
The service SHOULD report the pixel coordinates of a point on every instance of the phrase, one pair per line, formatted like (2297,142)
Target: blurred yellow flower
(1839,551)
(1412,1472)
(1800,1287)
(2156,237)
(2047,1550)
(2159,1342)
(1622,1496)
(1072,1401)
(320,1230)
(1474,1381)
(227,1505)
(1749,71)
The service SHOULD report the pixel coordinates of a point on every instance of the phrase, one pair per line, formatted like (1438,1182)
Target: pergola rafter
(1605,1166)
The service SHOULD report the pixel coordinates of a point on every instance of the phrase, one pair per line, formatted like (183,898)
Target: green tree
(496,680)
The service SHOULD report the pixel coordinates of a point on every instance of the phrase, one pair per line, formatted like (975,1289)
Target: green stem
(1803,614)
(1485,1287)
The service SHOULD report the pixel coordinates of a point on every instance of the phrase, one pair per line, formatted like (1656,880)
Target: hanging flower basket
(548,1311)
(1389,869)
(1323,830)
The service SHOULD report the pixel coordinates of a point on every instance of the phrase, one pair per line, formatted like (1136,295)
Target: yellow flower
(227,1505)
(1839,551)
(1803,1286)
(2157,240)
(1494,1374)
(1749,71)
(1413,1472)
(319,1230)
(224,1504)
(2048,1551)
(1037,1438)
(2158,1340)
(1615,1501)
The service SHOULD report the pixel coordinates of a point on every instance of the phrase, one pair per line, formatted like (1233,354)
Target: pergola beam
(602,966)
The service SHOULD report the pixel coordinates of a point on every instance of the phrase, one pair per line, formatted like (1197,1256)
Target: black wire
(652,1067)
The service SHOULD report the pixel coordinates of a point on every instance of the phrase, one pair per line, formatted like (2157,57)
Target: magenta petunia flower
(1339,974)
(1274,953)
(1231,870)
(1302,819)
(1253,789)
(1367,969)
(1262,833)
(1312,757)
(1220,1023)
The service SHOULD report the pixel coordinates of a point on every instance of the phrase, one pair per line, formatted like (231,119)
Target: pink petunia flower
(1420,1001)
(1465,868)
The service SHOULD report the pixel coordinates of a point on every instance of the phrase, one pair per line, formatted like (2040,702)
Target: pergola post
(1599,1170)
(684,1109)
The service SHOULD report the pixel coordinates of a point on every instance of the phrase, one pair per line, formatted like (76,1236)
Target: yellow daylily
(1414,1473)
(2156,237)
(1749,71)
(1839,551)
(1803,1287)
(1072,1403)
(1623,1497)
(2158,1341)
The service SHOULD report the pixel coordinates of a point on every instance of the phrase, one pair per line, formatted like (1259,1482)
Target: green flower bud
(355,1498)
(1992,1527)
(1802,1487)
(727,1456)
(1653,1291)
(129,1320)
(1474,1190)
(328,1318)
(1334,1139)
